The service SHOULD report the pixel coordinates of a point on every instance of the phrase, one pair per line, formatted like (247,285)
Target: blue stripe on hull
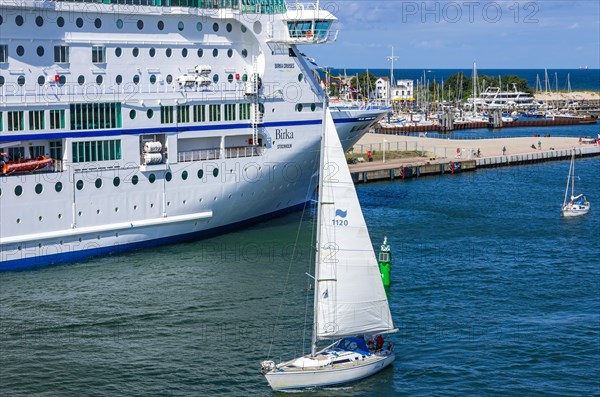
(48,260)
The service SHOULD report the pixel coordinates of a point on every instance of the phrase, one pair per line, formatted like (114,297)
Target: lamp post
(384,142)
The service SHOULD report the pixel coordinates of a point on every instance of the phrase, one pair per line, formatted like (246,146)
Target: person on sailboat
(379,342)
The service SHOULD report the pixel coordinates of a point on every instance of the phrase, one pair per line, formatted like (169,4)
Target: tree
(365,83)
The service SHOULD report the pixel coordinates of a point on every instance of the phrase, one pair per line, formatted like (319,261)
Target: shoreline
(584,95)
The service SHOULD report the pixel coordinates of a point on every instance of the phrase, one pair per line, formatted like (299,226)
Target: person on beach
(540,145)
(503,150)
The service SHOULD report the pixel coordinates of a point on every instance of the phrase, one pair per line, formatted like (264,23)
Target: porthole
(118,51)
(135,51)
(79,184)
(79,22)
(200,52)
(99,79)
(152,78)
(116,181)
(19,221)
(1,81)
(215,53)
(20,50)
(160,25)
(152,52)
(135,207)
(184,175)
(215,172)
(152,178)
(299,107)
(119,24)
(184,52)
(136,79)
(132,114)
(18,190)
(62,79)
(216,27)
(244,77)
(98,183)
(98,23)
(21,80)
(200,174)
(19,20)
(244,53)
(180,26)
(119,79)
(40,51)
(230,78)
(58,187)
(169,79)
(199,26)
(168,52)
(117,210)
(300,77)
(244,28)
(41,80)
(60,21)
(230,53)
(261,107)
(216,78)
(98,212)
(39,21)
(257,27)
(135,180)
(81,80)
(229,27)
(39,188)
(140,24)
(168,176)
(1,19)
(313,107)
(149,113)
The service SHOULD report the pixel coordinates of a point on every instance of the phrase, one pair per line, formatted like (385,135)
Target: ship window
(166,114)
(199,26)
(169,79)
(98,23)
(79,22)
(79,184)
(200,52)
(40,51)
(18,190)
(183,114)
(119,79)
(119,24)
(216,27)
(98,54)
(135,180)
(98,183)
(61,54)
(168,52)
(180,26)
(168,176)
(244,53)
(300,77)
(132,114)
(19,20)
(136,79)
(57,120)
(56,151)
(36,120)
(81,79)
(60,21)
(149,113)
(214,112)
(216,78)
(215,172)
(41,80)
(99,79)
(135,51)
(229,111)
(39,21)
(199,113)
(244,111)
(244,28)
(184,52)
(313,107)
(140,24)
(116,181)
(215,53)
(58,187)
(96,150)
(299,107)
(20,50)
(229,27)
(118,51)
(184,175)
(87,116)
(4,53)
(200,174)
(161,25)
(62,80)
(151,178)
(15,120)
(152,78)
(230,53)
(152,52)
(35,151)
(230,78)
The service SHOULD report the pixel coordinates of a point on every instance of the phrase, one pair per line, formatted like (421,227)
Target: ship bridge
(307,23)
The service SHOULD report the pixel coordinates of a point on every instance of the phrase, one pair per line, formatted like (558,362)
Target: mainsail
(350,298)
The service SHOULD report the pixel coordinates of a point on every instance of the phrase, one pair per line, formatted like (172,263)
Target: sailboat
(577,205)
(350,302)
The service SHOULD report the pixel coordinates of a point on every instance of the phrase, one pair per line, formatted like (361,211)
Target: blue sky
(452,34)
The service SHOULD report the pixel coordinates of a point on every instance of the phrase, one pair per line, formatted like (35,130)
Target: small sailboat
(350,302)
(578,204)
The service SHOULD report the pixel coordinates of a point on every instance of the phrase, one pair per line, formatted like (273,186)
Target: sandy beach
(564,96)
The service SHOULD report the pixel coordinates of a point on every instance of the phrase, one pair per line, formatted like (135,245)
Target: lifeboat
(25,165)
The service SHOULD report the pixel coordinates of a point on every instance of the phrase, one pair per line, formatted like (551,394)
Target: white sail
(350,296)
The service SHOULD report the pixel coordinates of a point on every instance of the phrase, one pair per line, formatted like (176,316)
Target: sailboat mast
(568,180)
(313,349)
(573,175)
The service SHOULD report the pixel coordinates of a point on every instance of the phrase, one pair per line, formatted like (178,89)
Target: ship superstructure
(164,120)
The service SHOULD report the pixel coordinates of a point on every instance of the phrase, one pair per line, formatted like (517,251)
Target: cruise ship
(131,123)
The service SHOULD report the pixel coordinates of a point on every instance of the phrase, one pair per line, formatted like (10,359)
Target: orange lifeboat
(25,165)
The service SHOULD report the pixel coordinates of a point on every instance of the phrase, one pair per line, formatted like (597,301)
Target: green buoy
(385,263)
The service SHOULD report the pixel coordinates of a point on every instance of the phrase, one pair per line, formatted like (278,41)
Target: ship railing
(243,151)
(298,6)
(198,155)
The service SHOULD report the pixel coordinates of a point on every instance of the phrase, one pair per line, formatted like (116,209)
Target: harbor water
(492,291)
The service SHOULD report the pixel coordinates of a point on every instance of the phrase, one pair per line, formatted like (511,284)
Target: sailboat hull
(577,210)
(298,378)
